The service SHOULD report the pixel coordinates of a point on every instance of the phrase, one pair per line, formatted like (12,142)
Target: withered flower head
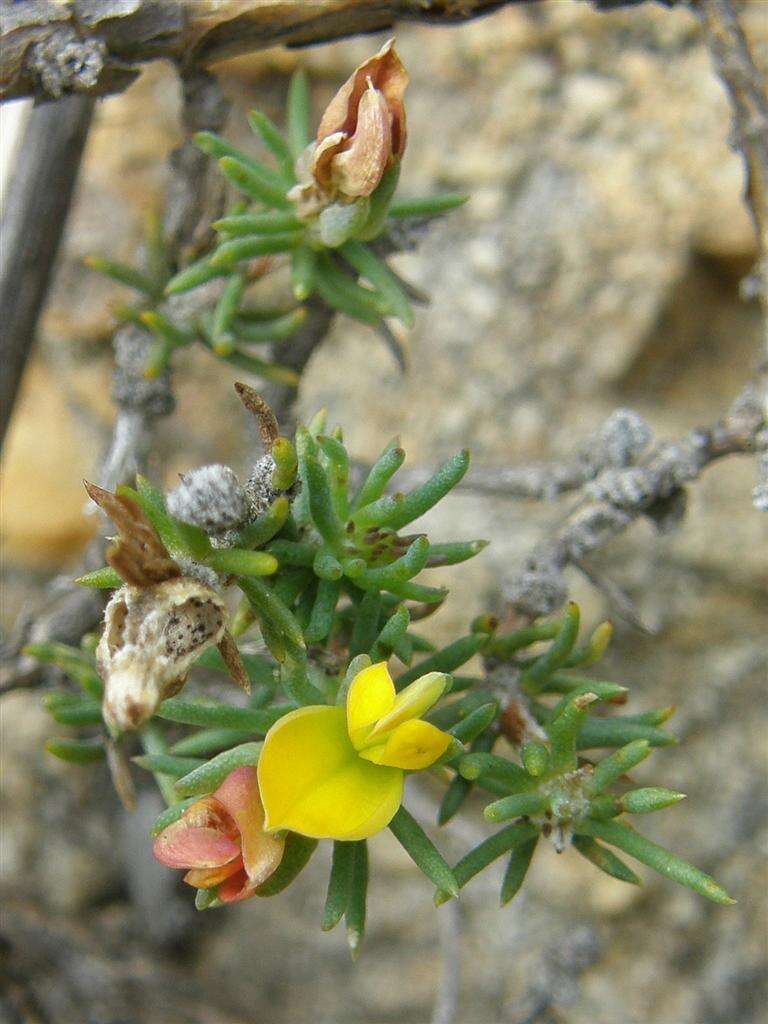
(362,132)
(156,625)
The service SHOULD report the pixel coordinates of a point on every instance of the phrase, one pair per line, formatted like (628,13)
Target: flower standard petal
(412,745)
(185,846)
(413,701)
(371,695)
(314,782)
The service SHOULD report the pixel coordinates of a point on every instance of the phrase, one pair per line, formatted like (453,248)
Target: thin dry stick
(36,207)
(745,85)
(446,1007)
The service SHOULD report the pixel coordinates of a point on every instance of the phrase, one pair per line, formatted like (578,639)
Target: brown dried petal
(386,73)
(323,157)
(229,651)
(139,555)
(357,170)
(261,411)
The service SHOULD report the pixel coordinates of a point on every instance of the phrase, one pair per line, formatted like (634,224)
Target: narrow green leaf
(356,904)
(124,274)
(167,764)
(477,721)
(380,203)
(516,806)
(228,254)
(258,666)
(105,578)
(274,221)
(379,475)
(482,766)
(298,113)
(318,487)
(214,714)
(563,729)
(611,768)
(427,206)
(488,851)
(604,859)
(401,510)
(668,864)
(460,788)
(78,665)
(298,685)
(343,293)
(615,732)
(454,553)
(193,276)
(255,182)
(78,711)
(224,313)
(240,562)
(517,868)
(276,330)
(76,751)
(366,624)
(321,619)
(400,571)
(506,646)
(652,798)
(416,592)
(423,851)
(448,659)
(209,741)
(566,683)
(204,778)
(392,632)
(286,464)
(339,884)
(539,672)
(273,139)
(264,528)
(375,270)
(535,758)
(303,272)
(326,565)
(270,609)
(292,552)
(213,145)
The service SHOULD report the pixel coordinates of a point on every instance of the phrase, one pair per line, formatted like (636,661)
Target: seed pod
(152,636)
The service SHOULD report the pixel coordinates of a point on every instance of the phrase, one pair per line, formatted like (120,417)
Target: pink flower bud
(221,841)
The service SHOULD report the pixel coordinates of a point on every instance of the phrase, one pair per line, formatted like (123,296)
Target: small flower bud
(210,497)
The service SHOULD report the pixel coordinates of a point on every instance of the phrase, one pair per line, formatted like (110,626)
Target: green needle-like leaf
(379,475)
(224,313)
(454,553)
(255,182)
(517,868)
(488,851)
(322,616)
(668,864)
(392,632)
(270,610)
(400,571)
(214,714)
(539,672)
(366,624)
(76,751)
(447,660)
(652,798)
(168,764)
(339,884)
(604,859)
(274,221)
(369,266)
(616,731)
(251,246)
(124,274)
(298,113)
(210,741)
(611,768)
(193,276)
(105,578)
(536,759)
(264,528)
(276,330)
(400,510)
(515,806)
(476,722)
(72,709)
(488,766)
(423,851)
(204,778)
(564,728)
(274,141)
(303,272)
(240,562)
(427,206)
(78,665)
(358,893)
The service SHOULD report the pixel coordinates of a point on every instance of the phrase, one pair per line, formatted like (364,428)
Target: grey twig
(616,498)
(36,207)
(446,1006)
(745,85)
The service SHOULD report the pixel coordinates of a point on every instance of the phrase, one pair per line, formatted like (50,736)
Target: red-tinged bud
(221,841)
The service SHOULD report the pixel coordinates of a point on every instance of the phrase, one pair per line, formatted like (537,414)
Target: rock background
(597,264)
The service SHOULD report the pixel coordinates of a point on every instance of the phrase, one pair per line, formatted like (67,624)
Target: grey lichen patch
(210,497)
(258,488)
(152,636)
(65,62)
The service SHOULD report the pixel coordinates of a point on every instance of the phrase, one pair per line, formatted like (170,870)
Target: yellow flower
(334,774)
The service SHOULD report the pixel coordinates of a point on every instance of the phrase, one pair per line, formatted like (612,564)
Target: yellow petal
(313,781)
(413,701)
(412,745)
(371,695)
